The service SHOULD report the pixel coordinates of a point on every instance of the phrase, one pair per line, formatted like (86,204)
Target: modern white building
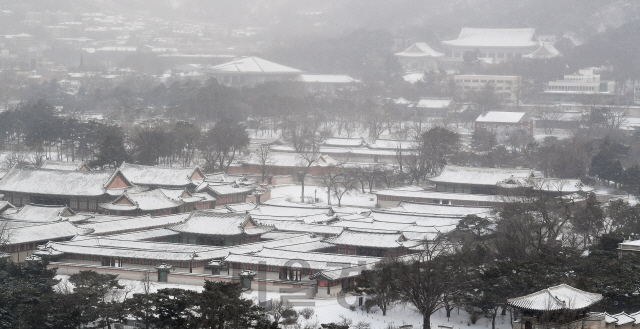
(504,85)
(585,81)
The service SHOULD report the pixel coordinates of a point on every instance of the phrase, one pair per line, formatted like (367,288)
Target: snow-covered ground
(290,194)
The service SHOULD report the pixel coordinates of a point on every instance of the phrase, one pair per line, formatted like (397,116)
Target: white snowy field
(290,194)
(333,310)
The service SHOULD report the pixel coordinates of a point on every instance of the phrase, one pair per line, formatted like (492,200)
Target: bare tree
(330,178)
(265,159)
(548,117)
(308,154)
(424,279)
(344,184)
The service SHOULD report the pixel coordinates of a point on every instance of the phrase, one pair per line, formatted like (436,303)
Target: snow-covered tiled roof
(501,117)
(145,235)
(5,205)
(327,78)
(404,192)
(107,246)
(130,224)
(290,211)
(45,213)
(252,64)
(134,249)
(438,209)
(229,189)
(55,182)
(297,226)
(63,165)
(290,160)
(547,184)
(433,103)
(279,235)
(45,232)
(308,219)
(350,237)
(344,142)
(143,201)
(619,319)
(478,175)
(181,195)
(214,223)
(241,207)
(419,49)
(636,317)
(389,144)
(312,260)
(158,176)
(315,246)
(475,37)
(341,273)
(546,50)
(560,297)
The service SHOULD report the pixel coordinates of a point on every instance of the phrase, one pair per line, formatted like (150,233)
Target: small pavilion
(560,307)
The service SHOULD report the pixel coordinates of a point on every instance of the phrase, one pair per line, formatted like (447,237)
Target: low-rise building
(434,107)
(505,86)
(249,71)
(583,82)
(80,190)
(504,123)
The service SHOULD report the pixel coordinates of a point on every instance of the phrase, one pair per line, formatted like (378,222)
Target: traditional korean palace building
(80,190)
(23,237)
(475,180)
(372,243)
(162,177)
(156,202)
(43,214)
(227,193)
(281,263)
(284,164)
(393,197)
(346,150)
(434,107)
(494,44)
(218,229)
(504,123)
(562,307)
(251,70)
(419,57)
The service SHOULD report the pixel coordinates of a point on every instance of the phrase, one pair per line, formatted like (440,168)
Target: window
(83,204)
(93,205)
(73,204)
